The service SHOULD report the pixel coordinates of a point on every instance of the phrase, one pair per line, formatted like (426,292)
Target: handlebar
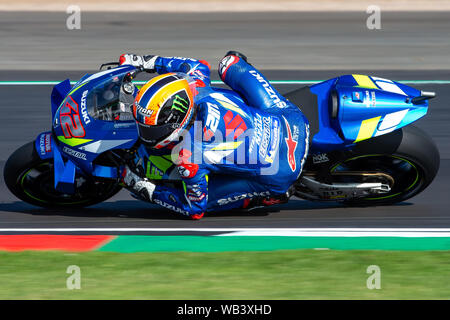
(109,65)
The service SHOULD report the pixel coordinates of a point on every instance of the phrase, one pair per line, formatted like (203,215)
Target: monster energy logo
(180,104)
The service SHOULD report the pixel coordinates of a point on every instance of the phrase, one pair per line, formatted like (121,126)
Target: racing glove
(141,187)
(146,63)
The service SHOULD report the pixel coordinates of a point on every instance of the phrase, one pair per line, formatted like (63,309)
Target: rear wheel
(31,179)
(408,158)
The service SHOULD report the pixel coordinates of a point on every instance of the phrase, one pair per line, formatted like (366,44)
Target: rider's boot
(237,54)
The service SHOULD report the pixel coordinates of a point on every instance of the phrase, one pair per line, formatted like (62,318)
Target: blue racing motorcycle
(363,150)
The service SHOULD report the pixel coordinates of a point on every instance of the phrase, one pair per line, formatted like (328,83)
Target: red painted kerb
(72,243)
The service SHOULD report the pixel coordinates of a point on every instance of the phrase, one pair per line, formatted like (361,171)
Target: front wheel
(31,179)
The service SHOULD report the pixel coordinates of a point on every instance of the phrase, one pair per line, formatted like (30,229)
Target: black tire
(410,145)
(39,190)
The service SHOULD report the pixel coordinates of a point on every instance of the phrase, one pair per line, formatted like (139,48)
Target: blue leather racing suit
(245,147)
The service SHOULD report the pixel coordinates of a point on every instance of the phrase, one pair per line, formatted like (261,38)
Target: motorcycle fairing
(96,136)
(59,93)
(365,107)
(93,136)
(370,106)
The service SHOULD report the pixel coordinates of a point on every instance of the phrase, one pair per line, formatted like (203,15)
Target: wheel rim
(405,173)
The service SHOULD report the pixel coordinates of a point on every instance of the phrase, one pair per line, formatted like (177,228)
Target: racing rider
(254,123)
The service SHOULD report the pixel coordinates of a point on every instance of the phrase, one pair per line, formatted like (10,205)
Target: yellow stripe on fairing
(73,142)
(228,145)
(364,81)
(367,128)
(76,88)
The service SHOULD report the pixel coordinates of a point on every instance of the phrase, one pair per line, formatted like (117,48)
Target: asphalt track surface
(289,40)
(306,46)
(26,112)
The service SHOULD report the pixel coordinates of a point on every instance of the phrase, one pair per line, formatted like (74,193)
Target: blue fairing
(59,93)
(80,133)
(367,107)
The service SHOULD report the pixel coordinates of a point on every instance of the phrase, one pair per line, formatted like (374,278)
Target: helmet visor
(152,135)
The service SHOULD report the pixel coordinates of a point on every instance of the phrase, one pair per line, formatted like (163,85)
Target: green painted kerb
(261,243)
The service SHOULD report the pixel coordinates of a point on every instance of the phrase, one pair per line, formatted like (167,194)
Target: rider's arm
(192,199)
(250,83)
(189,199)
(197,69)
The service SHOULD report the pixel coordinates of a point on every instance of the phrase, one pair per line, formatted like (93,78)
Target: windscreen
(108,101)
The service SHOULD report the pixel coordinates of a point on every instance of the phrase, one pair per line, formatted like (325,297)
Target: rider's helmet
(163,109)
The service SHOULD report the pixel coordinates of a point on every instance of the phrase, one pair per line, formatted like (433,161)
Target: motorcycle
(363,149)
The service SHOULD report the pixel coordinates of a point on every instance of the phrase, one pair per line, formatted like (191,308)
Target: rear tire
(411,148)
(30,179)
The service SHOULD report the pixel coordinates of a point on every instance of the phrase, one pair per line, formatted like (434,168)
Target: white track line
(297,232)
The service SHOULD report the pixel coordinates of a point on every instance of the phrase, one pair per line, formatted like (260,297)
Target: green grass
(290,274)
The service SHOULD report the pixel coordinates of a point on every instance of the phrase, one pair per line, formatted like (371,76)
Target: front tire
(31,179)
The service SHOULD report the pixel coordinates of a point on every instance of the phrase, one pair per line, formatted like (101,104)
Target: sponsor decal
(45,143)
(267,123)
(48,142)
(320,158)
(371,99)
(271,91)
(258,132)
(143,111)
(196,198)
(357,96)
(180,104)
(181,58)
(274,140)
(84,112)
(374,99)
(291,142)
(74,153)
(198,74)
(266,136)
(170,207)
(212,121)
(194,193)
(119,125)
(243,196)
(42,144)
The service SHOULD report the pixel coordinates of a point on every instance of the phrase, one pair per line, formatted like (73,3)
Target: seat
(306,101)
